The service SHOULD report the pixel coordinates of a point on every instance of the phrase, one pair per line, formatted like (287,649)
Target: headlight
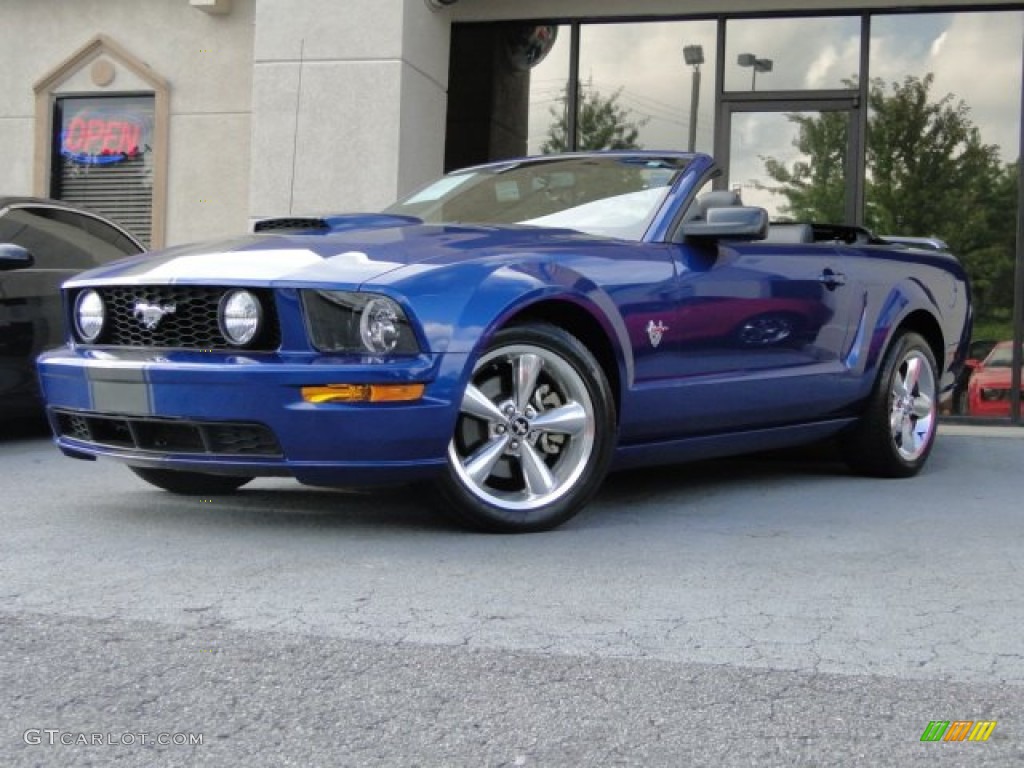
(240,317)
(994,394)
(89,316)
(379,325)
(359,323)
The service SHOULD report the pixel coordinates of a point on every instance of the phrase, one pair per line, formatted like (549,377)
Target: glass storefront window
(549,82)
(942,152)
(792,54)
(935,125)
(646,85)
(769,150)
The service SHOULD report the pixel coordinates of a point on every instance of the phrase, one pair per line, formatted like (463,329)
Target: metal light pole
(694,56)
(756,65)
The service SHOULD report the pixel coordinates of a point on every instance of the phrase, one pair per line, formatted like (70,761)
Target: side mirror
(14,257)
(734,223)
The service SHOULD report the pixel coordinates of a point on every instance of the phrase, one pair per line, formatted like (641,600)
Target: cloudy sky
(976,56)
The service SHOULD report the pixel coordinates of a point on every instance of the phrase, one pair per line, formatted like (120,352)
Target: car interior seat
(789,233)
(716,198)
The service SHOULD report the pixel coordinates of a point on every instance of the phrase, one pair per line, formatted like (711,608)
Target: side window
(60,239)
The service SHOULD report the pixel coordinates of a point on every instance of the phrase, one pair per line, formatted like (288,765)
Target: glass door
(796,158)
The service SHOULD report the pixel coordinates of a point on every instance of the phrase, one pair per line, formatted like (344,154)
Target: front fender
(544,291)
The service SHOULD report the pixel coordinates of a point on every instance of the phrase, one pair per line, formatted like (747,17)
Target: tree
(990,259)
(815,189)
(928,172)
(601,123)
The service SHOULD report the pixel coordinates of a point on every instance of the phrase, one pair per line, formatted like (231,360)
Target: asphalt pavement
(765,611)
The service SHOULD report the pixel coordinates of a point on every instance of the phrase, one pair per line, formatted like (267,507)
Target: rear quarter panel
(898,285)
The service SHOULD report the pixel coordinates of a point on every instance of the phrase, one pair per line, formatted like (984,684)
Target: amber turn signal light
(362,393)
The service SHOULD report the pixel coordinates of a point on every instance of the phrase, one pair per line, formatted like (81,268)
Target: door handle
(832,280)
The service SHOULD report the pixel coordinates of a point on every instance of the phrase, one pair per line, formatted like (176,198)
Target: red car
(988,392)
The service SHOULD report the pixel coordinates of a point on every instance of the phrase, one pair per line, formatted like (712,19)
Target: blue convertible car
(510,333)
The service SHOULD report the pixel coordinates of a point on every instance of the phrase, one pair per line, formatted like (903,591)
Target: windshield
(609,196)
(1001,356)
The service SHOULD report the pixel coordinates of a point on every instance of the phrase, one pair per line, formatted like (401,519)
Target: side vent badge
(655,330)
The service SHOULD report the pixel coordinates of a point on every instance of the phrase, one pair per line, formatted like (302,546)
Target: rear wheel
(190,483)
(534,435)
(895,435)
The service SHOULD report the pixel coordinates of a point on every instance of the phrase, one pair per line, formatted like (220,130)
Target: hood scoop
(325,224)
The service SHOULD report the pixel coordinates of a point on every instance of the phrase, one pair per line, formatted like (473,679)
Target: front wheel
(190,483)
(534,436)
(897,430)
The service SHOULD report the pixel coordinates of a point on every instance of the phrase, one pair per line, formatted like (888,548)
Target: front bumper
(228,413)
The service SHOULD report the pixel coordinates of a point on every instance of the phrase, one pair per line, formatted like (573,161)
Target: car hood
(354,255)
(993,377)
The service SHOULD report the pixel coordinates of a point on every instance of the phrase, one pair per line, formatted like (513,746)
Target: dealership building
(190,119)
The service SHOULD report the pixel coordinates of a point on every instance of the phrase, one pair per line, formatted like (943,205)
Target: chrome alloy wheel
(526,428)
(913,409)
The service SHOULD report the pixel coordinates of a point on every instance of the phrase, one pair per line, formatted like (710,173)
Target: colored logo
(958,730)
(655,330)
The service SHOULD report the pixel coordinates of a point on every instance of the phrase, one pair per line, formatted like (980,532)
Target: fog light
(90,315)
(240,316)
(991,395)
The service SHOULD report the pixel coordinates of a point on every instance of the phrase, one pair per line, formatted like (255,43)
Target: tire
(534,436)
(190,483)
(895,435)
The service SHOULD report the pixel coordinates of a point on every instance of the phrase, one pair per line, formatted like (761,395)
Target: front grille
(193,323)
(169,435)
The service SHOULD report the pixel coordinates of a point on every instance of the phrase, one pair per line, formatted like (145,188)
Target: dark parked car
(510,333)
(42,244)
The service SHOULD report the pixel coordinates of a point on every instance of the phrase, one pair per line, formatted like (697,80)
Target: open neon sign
(101,139)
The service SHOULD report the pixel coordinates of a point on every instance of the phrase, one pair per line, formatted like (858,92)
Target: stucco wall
(349,107)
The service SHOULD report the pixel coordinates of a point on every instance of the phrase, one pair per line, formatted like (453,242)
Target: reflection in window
(793,164)
(60,239)
(990,387)
(637,85)
(549,80)
(504,78)
(942,148)
(792,54)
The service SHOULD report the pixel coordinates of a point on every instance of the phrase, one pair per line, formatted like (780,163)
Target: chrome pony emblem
(655,330)
(150,315)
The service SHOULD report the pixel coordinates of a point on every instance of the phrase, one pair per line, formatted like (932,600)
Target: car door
(762,334)
(61,242)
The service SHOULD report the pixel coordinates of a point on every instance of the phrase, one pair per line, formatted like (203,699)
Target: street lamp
(694,56)
(756,65)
